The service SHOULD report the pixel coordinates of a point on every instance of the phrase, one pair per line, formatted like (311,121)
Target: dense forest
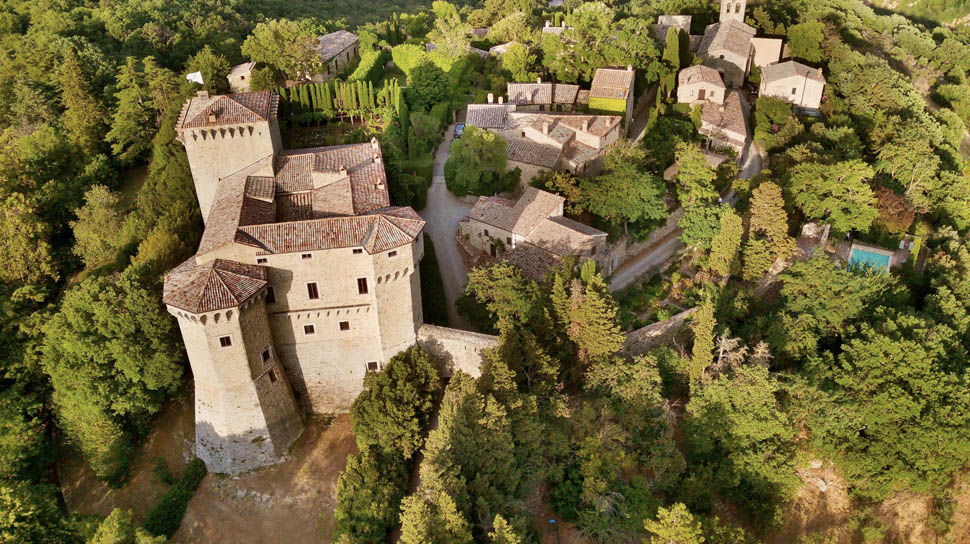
(696,441)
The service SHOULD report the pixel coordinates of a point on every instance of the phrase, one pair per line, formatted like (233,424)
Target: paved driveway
(442,214)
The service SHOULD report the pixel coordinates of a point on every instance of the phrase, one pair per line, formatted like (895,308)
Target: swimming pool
(862,257)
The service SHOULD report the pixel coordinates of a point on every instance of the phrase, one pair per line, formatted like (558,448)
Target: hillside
(940,11)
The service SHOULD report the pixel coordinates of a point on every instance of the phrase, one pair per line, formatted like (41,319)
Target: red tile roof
(228,109)
(216,285)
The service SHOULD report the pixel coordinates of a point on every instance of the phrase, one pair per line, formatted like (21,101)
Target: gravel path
(442,214)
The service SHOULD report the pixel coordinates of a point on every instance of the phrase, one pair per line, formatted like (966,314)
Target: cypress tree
(702,352)
(327,98)
(725,245)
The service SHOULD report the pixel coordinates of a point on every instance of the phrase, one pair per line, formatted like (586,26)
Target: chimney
(203,94)
(548,24)
(545,127)
(375,145)
(377,158)
(491,98)
(343,171)
(500,99)
(539,80)
(585,125)
(629,67)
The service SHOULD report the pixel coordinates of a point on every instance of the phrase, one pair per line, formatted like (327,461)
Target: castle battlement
(305,278)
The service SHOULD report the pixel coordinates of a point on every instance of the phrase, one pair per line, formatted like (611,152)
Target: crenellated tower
(225,133)
(245,412)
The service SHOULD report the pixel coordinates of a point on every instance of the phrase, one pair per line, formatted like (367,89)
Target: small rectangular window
(262,260)
(309,330)
(391,254)
(508,240)
(270,294)
(266,355)
(306,256)
(272,375)
(358,251)
(362,286)
(225,341)
(345,325)
(372,366)
(311,291)
(794,90)
(486,232)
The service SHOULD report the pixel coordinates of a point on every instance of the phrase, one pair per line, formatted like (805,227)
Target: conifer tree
(593,322)
(702,352)
(724,247)
(769,218)
(132,123)
(83,116)
(674,525)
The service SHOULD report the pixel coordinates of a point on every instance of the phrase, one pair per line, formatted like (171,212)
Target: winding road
(442,214)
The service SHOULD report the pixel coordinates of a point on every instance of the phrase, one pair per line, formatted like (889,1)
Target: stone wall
(625,249)
(455,349)
(643,340)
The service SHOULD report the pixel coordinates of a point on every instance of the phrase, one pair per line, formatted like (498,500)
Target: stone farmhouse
(531,232)
(544,141)
(337,50)
(795,83)
(699,84)
(304,280)
(611,92)
(239,77)
(725,124)
(547,96)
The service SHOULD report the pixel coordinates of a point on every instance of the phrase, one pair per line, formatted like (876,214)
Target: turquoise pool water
(861,257)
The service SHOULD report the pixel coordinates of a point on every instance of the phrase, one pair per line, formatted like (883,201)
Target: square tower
(733,10)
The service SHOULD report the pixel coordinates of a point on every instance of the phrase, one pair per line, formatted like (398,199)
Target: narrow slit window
(270,295)
(272,376)
(311,291)
(266,355)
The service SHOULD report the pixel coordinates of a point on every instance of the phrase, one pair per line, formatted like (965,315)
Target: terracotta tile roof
(228,109)
(582,97)
(579,153)
(564,236)
(377,231)
(542,93)
(260,187)
(700,73)
(294,207)
(785,70)
(243,68)
(529,152)
(731,36)
(226,213)
(598,125)
(611,83)
(368,187)
(717,118)
(520,217)
(534,262)
(487,115)
(330,45)
(216,285)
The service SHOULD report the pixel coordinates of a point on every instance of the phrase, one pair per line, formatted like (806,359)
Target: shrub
(164,519)
(370,68)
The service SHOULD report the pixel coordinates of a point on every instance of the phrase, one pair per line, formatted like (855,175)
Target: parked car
(459,128)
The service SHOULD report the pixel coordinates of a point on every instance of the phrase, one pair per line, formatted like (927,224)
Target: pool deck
(843,252)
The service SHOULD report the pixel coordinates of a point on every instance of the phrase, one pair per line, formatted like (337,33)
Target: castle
(304,280)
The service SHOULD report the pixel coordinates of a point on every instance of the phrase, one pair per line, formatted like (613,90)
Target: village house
(795,83)
(337,50)
(724,124)
(612,93)
(700,83)
(542,141)
(239,77)
(544,96)
(530,232)
(726,47)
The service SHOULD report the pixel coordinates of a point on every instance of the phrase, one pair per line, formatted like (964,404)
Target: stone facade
(733,10)
(455,349)
(305,279)
(337,50)
(795,83)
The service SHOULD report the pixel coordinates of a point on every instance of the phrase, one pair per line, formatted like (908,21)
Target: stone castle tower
(225,133)
(305,278)
(733,10)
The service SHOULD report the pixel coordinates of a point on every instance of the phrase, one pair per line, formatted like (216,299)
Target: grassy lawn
(332,133)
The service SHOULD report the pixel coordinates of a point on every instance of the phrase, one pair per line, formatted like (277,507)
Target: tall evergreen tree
(84,115)
(724,247)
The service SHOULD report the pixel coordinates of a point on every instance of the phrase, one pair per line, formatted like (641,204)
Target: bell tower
(733,10)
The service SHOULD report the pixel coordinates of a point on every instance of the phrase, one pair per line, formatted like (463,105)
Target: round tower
(245,412)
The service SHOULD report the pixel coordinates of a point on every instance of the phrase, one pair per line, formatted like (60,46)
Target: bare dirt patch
(172,437)
(560,532)
(293,501)
(816,512)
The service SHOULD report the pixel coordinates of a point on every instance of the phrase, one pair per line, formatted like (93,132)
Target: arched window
(737,8)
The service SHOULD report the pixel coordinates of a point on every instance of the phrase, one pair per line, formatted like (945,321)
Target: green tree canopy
(837,194)
(284,45)
(674,525)
(477,163)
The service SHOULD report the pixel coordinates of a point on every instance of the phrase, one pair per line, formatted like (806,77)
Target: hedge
(370,68)
(166,517)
